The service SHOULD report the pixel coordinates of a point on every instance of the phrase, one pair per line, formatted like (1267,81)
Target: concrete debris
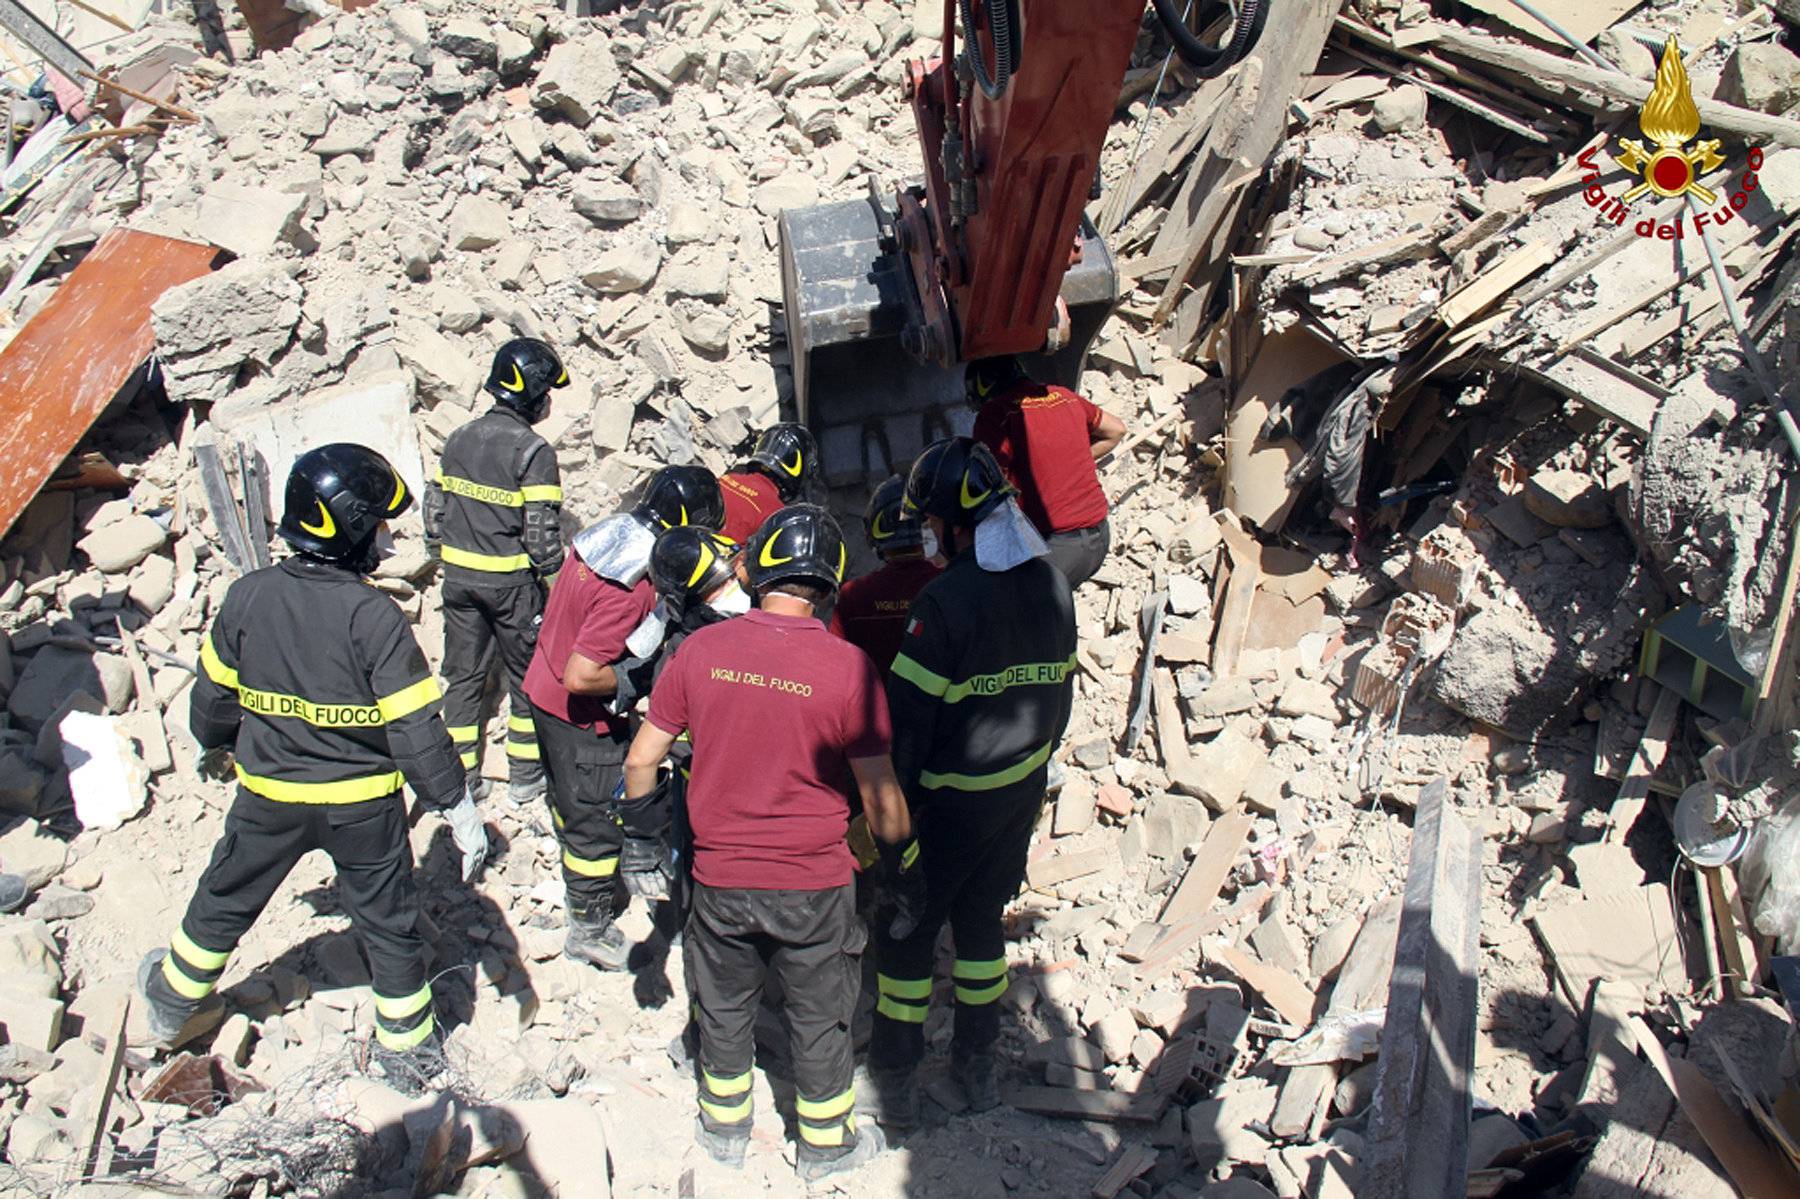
(1463,595)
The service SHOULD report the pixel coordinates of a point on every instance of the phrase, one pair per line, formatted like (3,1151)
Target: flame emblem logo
(1670,120)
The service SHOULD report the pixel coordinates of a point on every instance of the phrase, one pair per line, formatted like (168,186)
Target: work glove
(217,764)
(647,867)
(646,864)
(633,676)
(469,833)
(903,878)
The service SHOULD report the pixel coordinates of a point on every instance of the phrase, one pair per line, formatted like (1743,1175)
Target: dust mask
(733,601)
(929,543)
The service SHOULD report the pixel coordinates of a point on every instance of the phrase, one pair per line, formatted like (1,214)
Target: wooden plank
(1586,19)
(1616,392)
(1487,288)
(1737,954)
(1652,748)
(1240,596)
(1752,1165)
(100,1104)
(1714,988)
(1132,1161)
(1244,133)
(1418,1136)
(1061,867)
(1106,1107)
(101,315)
(1751,943)
(1170,942)
(1622,90)
(1207,872)
(1171,730)
(1290,997)
(1610,1059)
(1629,938)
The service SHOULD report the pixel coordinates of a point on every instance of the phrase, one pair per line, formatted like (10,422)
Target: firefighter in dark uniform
(601,616)
(494,511)
(781,470)
(871,610)
(772,874)
(980,694)
(315,681)
(1048,441)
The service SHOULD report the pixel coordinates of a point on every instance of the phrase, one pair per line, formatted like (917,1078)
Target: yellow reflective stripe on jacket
(465,732)
(376,786)
(1026,674)
(407,700)
(493,563)
(405,1006)
(928,681)
(542,493)
(215,667)
(324,716)
(499,497)
(987,782)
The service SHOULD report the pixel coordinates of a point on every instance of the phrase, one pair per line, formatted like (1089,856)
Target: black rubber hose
(1006,46)
(1212,61)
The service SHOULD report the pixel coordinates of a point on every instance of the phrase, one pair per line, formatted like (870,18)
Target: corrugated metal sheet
(68,362)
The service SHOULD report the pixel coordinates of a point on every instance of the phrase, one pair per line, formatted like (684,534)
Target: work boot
(980,1082)
(890,1097)
(815,1165)
(523,789)
(596,940)
(684,1047)
(165,1013)
(12,892)
(726,1148)
(410,1071)
(479,788)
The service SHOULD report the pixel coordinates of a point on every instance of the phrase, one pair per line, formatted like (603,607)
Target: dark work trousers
(478,623)
(584,770)
(973,847)
(813,942)
(368,845)
(1079,552)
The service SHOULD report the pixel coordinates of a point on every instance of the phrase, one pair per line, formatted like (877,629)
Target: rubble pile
(1267,707)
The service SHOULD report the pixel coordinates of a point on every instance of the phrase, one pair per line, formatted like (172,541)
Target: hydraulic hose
(1211,61)
(1006,46)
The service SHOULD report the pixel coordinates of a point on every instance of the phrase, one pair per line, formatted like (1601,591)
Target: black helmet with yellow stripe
(984,377)
(338,495)
(799,544)
(524,373)
(884,522)
(689,564)
(789,454)
(956,480)
(681,495)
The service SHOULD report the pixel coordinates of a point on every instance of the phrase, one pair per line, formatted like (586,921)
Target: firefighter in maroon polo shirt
(772,873)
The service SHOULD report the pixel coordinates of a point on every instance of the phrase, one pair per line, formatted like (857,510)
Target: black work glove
(634,677)
(646,865)
(217,764)
(903,879)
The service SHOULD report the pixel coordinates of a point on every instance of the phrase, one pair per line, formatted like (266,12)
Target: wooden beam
(1621,89)
(100,1106)
(1207,872)
(1652,748)
(1290,997)
(1418,1139)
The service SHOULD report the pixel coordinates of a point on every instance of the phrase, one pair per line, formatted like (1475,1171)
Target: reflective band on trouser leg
(904,999)
(467,738)
(403,1023)
(725,1101)
(190,970)
(979,982)
(827,1123)
(591,867)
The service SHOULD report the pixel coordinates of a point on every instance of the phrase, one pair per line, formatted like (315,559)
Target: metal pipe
(1547,21)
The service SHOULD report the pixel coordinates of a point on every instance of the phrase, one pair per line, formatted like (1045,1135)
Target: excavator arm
(990,253)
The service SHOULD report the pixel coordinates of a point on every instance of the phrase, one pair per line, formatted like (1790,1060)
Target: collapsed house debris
(1441,686)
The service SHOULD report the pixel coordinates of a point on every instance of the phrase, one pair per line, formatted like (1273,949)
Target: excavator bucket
(848,297)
